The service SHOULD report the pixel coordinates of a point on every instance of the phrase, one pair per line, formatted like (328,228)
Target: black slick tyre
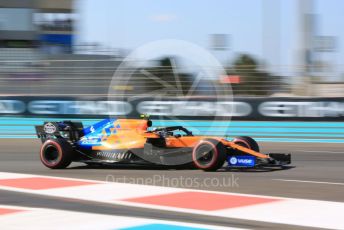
(247,142)
(56,154)
(209,155)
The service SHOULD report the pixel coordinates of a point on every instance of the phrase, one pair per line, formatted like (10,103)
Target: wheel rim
(205,155)
(51,154)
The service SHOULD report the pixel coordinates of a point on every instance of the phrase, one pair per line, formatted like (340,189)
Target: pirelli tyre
(247,142)
(209,155)
(56,153)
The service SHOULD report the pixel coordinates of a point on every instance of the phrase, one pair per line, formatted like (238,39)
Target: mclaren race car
(131,141)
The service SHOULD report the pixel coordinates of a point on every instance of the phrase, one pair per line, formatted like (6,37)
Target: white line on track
(310,181)
(317,151)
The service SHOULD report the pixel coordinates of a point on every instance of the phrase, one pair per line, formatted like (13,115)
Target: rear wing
(62,129)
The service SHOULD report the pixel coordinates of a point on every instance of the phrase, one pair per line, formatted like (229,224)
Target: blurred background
(268,47)
(272,60)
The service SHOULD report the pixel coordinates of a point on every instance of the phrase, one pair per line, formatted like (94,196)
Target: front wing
(249,161)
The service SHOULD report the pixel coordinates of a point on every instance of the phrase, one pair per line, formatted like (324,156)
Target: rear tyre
(247,142)
(56,154)
(209,155)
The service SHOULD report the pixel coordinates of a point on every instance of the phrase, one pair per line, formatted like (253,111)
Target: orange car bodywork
(133,134)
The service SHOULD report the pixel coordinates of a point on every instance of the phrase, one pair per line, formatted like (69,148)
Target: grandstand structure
(36,51)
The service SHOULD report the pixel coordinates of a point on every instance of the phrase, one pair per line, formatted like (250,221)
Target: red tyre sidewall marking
(59,149)
(213,161)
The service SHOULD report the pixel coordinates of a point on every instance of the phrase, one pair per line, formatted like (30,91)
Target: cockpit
(172,131)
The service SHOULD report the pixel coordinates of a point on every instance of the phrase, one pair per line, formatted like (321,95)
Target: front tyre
(56,154)
(209,155)
(247,142)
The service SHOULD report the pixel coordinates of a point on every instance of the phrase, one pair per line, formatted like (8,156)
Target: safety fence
(181,108)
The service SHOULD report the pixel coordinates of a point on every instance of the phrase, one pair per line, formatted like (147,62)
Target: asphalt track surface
(317,172)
